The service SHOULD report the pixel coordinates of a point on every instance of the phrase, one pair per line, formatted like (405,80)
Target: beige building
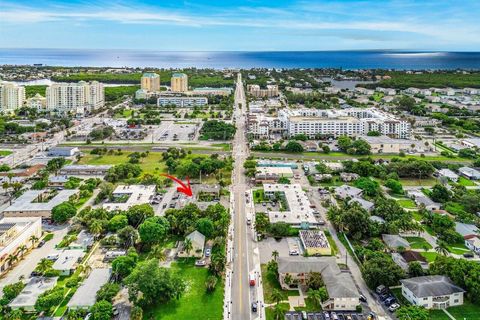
(12,97)
(179,82)
(150,81)
(315,243)
(37,102)
(15,233)
(271,90)
(76,98)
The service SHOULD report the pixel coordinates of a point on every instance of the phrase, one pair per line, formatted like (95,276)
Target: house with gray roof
(365,204)
(465,229)
(342,292)
(394,241)
(198,243)
(29,295)
(432,292)
(346,191)
(84,297)
(469,173)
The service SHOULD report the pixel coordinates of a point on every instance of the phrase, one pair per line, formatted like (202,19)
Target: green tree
(205,226)
(138,213)
(117,222)
(211,283)
(440,193)
(415,269)
(276,296)
(412,312)
(108,291)
(294,146)
(153,230)
(394,185)
(63,211)
(102,310)
(122,266)
(370,187)
(315,280)
(149,284)
(11,291)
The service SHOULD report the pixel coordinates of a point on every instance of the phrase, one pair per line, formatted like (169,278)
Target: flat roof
(298,202)
(85,296)
(25,201)
(35,287)
(276,170)
(67,259)
(314,239)
(138,194)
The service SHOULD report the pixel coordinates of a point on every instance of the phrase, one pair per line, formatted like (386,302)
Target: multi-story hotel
(150,81)
(179,82)
(271,90)
(37,102)
(77,98)
(12,97)
(350,122)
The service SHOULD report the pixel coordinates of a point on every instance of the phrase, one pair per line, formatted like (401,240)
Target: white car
(393,307)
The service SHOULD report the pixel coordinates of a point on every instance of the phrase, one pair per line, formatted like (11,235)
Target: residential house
(345,191)
(469,173)
(432,292)
(403,259)
(394,241)
(449,174)
(198,244)
(472,242)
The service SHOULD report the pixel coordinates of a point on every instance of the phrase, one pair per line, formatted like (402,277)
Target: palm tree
(277,296)
(278,312)
(275,254)
(314,295)
(187,245)
(96,228)
(158,252)
(44,265)
(441,248)
(288,279)
(11,259)
(21,250)
(33,238)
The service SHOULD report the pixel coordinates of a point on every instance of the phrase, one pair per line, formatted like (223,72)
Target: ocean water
(269,59)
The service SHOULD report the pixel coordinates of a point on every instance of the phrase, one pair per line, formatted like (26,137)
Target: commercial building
(37,102)
(432,292)
(179,82)
(273,163)
(125,196)
(350,122)
(75,98)
(68,261)
(12,97)
(342,292)
(15,233)
(206,91)
(63,151)
(29,295)
(37,203)
(315,243)
(84,297)
(85,170)
(272,174)
(271,90)
(181,101)
(295,205)
(385,144)
(150,81)
(198,243)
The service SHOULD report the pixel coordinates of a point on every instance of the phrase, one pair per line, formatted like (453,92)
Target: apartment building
(150,81)
(179,82)
(181,102)
(350,122)
(12,97)
(271,90)
(77,98)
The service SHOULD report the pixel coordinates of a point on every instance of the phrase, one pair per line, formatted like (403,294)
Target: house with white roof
(449,174)
(432,292)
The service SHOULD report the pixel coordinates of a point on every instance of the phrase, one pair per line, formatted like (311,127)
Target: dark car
(40,244)
(389,301)
(468,255)
(254,307)
(384,296)
(362,298)
(35,274)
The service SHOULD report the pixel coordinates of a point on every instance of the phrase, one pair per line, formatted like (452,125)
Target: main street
(245,253)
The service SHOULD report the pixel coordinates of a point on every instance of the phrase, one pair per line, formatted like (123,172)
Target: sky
(216,25)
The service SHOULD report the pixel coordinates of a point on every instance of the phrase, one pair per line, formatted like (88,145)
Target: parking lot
(172,131)
(283,246)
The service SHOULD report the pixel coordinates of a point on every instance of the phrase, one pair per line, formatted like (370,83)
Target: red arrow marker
(184,188)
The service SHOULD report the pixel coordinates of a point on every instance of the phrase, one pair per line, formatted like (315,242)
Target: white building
(14,233)
(76,98)
(472,242)
(198,243)
(127,196)
(350,122)
(432,292)
(12,97)
(68,261)
(449,174)
(182,102)
(37,102)
(469,173)
(299,209)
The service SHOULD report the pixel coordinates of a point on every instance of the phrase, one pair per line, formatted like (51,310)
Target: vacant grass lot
(151,164)
(195,303)
(430,256)
(4,153)
(418,182)
(458,248)
(465,182)
(418,243)
(468,311)
(407,203)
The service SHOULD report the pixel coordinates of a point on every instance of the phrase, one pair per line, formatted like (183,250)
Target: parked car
(334,316)
(389,301)
(393,307)
(384,296)
(200,263)
(362,298)
(468,255)
(254,307)
(326,315)
(381,289)
(41,243)
(208,252)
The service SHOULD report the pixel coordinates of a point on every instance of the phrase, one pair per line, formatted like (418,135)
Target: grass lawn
(465,182)
(407,203)
(332,243)
(467,311)
(269,311)
(270,282)
(195,303)
(148,164)
(430,256)
(4,153)
(124,114)
(418,182)
(439,315)
(223,146)
(418,243)
(310,305)
(417,216)
(458,248)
